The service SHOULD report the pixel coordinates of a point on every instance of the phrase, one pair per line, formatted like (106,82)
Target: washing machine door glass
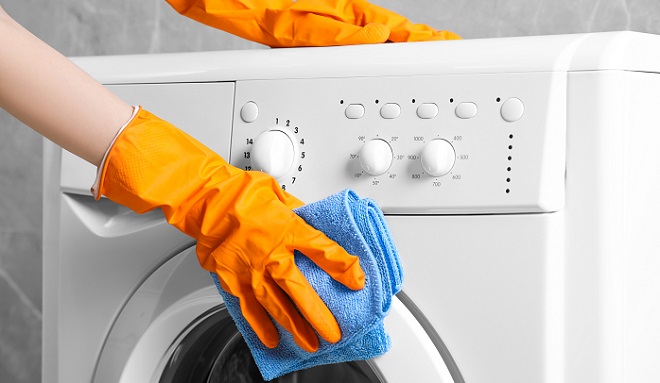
(213,351)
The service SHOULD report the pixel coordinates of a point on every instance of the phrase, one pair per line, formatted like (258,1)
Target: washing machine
(519,177)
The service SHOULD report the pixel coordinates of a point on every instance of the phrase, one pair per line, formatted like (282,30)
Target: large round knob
(438,157)
(376,157)
(273,152)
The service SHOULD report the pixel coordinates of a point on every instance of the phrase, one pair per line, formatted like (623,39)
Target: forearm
(50,94)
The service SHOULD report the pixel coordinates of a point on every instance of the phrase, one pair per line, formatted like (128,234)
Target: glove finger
(342,33)
(311,306)
(280,307)
(287,199)
(328,255)
(420,32)
(184,6)
(401,28)
(309,29)
(235,17)
(253,312)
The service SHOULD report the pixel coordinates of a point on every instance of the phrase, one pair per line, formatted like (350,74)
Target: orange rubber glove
(245,229)
(285,23)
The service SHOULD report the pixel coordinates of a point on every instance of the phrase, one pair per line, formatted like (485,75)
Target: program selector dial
(274,152)
(376,157)
(438,157)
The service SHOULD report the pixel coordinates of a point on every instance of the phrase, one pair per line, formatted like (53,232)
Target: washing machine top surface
(632,51)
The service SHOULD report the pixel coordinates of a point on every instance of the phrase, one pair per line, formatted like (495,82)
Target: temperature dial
(273,152)
(438,157)
(376,157)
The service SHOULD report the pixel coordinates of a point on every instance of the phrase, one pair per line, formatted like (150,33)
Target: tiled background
(99,27)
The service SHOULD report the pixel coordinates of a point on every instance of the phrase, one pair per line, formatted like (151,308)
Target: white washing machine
(519,177)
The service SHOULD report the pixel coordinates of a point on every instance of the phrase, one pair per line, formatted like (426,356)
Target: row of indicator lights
(508,169)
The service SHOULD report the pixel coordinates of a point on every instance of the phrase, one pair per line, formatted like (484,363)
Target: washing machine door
(175,329)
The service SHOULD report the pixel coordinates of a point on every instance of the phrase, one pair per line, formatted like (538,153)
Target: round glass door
(213,351)
(175,329)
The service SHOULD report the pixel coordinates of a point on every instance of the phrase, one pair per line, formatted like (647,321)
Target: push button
(249,112)
(466,110)
(390,111)
(512,109)
(354,111)
(427,111)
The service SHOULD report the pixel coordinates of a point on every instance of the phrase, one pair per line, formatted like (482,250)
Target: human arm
(50,94)
(243,222)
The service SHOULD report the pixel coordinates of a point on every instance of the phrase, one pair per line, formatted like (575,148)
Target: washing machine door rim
(179,296)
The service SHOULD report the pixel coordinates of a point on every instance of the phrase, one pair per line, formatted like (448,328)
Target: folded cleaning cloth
(359,226)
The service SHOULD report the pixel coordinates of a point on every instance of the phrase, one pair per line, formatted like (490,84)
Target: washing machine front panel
(93,281)
(416,144)
(493,289)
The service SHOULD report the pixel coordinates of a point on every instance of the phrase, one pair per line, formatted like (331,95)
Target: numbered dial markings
(438,157)
(376,157)
(277,151)
(273,152)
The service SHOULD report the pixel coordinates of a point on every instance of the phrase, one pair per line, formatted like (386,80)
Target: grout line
(24,298)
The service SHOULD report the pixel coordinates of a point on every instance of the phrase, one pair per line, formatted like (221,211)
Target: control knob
(273,152)
(376,157)
(438,157)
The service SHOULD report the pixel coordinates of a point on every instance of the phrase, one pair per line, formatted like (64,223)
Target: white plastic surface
(438,157)
(492,288)
(354,111)
(466,110)
(427,111)
(146,359)
(413,356)
(390,111)
(578,52)
(273,152)
(249,112)
(376,157)
(381,158)
(104,252)
(612,260)
(512,109)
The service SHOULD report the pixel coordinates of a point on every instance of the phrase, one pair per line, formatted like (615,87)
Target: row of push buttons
(387,111)
(511,110)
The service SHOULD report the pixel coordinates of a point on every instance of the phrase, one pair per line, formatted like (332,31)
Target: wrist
(99,169)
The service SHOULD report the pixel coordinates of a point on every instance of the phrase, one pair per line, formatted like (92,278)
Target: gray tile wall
(98,27)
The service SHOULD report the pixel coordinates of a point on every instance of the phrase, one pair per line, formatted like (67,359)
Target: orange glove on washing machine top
(289,23)
(243,221)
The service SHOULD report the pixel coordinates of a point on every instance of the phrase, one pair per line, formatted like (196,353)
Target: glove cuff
(154,164)
(97,181)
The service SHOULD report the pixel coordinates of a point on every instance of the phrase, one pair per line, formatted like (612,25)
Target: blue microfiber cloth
(359,226)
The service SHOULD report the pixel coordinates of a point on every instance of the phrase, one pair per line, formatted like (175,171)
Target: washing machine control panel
(423,144)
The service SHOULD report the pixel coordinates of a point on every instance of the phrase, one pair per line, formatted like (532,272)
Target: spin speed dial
(438,157)
(274,152)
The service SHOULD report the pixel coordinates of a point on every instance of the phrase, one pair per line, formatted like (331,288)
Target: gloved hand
(245,229)
(285,23)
